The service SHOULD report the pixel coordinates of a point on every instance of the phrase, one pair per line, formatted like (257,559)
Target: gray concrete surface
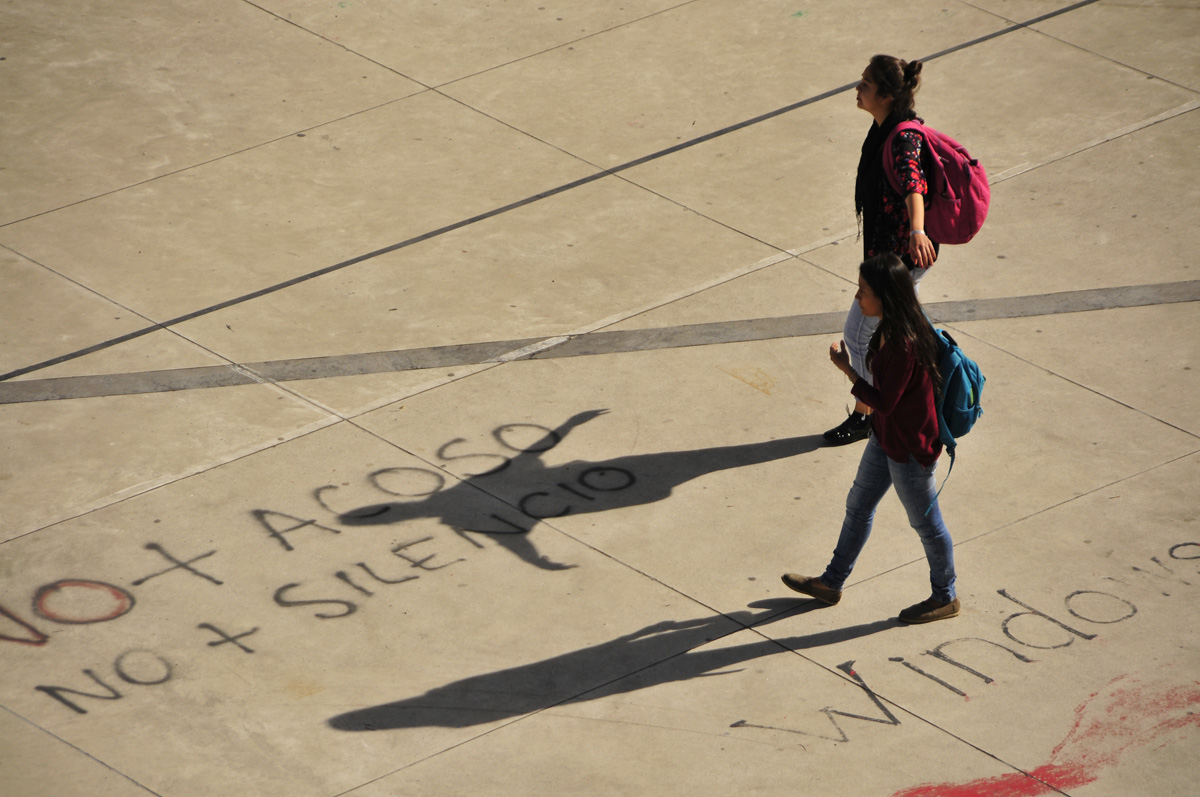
(425,398)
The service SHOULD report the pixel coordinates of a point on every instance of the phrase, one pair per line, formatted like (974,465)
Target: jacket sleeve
(906,162)
(892,369)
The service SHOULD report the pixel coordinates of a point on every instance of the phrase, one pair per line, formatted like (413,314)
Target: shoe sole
(852,439)
(923,620)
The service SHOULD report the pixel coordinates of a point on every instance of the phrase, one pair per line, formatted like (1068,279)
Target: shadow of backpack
(959,193)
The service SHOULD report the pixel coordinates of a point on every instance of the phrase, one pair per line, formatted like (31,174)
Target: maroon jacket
(904,420)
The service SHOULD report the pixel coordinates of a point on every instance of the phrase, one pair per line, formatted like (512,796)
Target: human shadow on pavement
(658,654)
(539,492)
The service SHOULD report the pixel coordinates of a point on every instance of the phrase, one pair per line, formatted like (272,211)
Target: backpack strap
(950,449)
(929,508)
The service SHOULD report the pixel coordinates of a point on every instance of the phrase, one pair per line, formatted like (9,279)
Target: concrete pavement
(426,398)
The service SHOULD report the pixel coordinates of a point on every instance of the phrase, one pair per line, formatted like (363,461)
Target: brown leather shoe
(929,610)
(813,588)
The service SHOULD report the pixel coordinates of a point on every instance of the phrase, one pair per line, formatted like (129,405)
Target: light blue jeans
(916,488)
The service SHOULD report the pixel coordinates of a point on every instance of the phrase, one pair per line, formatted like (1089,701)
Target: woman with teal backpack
(903,446)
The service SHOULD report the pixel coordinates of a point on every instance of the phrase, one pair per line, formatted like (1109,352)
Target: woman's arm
(862,390)
(906,155)
(919,245)
(892,370)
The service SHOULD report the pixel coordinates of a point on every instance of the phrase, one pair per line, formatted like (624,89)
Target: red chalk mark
(122,601)
(1012,785)
(1127,714)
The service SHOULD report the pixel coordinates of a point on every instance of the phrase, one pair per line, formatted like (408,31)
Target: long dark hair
(903,322)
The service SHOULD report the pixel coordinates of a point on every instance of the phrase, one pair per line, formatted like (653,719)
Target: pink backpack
(958,186)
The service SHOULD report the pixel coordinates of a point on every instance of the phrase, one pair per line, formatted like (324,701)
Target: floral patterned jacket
(892,227)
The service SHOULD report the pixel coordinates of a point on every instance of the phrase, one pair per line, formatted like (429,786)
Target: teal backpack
(958,406)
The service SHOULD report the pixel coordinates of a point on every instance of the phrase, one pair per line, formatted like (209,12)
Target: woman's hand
(920,248)
(841,358)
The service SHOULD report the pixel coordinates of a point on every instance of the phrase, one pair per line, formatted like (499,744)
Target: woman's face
(869,98)
(868,302)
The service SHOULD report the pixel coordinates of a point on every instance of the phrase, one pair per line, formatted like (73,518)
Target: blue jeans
(916,487)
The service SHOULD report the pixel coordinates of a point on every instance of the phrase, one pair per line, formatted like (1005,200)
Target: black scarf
(867,197)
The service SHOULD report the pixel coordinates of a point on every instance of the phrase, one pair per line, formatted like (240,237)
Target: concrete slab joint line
(1016,26)
(579,345)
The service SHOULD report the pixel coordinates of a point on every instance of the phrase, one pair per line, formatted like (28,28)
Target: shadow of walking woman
(540,492)
(661,653)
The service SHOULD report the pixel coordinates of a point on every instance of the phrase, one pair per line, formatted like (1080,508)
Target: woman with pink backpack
(890,220)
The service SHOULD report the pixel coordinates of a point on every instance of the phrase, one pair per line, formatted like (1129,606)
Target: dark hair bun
(912,71)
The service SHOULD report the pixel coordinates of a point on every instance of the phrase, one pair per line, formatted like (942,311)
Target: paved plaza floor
(425,398)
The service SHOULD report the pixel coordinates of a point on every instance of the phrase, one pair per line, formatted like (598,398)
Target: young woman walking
(903,446)
(891,221)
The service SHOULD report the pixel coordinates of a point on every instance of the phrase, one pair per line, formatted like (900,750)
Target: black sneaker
(856,427)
